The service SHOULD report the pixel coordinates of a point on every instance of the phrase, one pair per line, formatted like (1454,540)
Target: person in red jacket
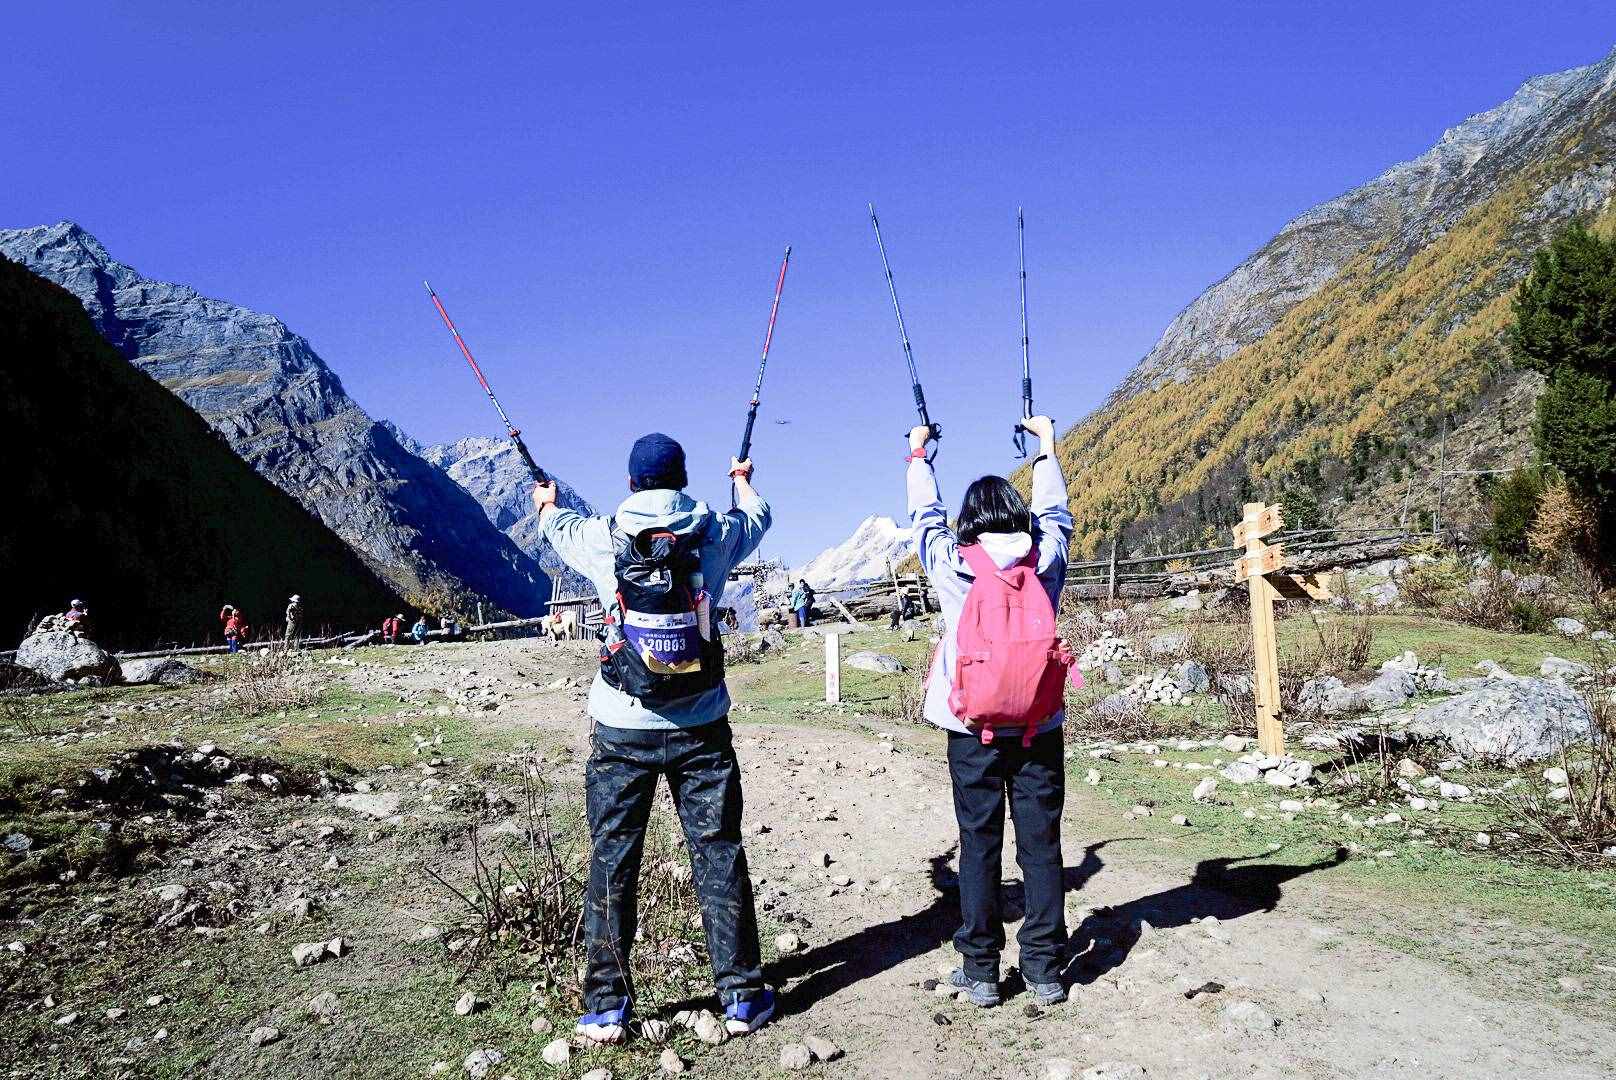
(391,628)
(235,627)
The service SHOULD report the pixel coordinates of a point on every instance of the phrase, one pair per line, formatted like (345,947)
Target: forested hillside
(118,493)
(1340,405)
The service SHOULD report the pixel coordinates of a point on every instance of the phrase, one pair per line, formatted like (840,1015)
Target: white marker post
(833,669)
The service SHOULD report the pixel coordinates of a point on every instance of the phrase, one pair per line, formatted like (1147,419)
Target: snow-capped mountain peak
(876,544)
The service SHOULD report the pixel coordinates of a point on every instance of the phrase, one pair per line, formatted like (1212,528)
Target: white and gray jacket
(585,544)
(938,549)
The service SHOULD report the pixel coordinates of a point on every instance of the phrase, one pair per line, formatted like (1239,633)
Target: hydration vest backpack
(660,645)
(1012,667)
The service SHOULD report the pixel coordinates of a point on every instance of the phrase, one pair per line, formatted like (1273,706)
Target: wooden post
(1111,574)
(833,669)
(1264,646)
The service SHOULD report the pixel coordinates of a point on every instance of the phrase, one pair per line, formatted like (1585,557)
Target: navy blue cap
(657,461)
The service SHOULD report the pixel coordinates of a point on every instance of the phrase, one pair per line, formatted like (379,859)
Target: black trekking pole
(757,390)
(1020,436)
(768,337)
(908,353)
(538,474)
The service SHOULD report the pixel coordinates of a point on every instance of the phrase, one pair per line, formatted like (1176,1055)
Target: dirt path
(1301,988)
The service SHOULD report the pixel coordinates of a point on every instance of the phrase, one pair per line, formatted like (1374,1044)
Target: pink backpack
(1013,667)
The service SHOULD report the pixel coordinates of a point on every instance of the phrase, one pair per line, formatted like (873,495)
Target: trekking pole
(903,333)
(768,337)
(538,474)
(1020,434)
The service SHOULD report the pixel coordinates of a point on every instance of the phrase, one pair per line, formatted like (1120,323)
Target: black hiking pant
(705,781)
(1034,779)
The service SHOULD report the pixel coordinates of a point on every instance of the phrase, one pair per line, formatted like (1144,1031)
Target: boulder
(1385,594)
(1570,627)
(1510,719)
(59,655)
(1329,696)
(773,639)
(1190,601)
(1169,644)
(882,663)
(1391,688)
(1559,667)
(1191,677)
(160,671)
(375,804)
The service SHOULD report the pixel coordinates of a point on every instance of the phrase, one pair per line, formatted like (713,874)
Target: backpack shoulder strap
(977,559)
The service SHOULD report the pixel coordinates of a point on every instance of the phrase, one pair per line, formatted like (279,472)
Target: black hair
(992,505)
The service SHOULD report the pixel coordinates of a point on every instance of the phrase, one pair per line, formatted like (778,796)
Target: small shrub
(1515,503)
(1340,646)
(1494,600)
(268,680)
(1431,582)
(1563,527)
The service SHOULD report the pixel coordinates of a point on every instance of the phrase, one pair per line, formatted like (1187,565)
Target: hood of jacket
(1005,549)
(662,508)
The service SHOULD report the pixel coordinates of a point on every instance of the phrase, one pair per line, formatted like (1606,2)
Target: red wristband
(916,455)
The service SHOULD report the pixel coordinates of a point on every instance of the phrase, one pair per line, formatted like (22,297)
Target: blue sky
(602,198)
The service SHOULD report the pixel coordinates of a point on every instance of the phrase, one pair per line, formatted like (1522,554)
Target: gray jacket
(585,544)
(938,549)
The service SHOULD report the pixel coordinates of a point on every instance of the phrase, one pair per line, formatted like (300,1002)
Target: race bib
(669,644)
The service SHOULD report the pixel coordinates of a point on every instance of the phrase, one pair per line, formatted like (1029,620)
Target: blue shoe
(984,995)
(606,1026)
(1049,993)
(743,1016)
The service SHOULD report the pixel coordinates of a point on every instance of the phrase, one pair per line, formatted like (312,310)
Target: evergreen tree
(1565,329)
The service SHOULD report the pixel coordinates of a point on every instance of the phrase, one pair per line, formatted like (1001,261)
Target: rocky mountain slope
(875,546)
(492,472)
(1321,369)
(99,448)
(285,412)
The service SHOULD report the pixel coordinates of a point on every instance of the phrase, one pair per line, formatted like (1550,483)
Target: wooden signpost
(1260,568)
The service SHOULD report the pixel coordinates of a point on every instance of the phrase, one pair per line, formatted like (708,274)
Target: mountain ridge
(285,411)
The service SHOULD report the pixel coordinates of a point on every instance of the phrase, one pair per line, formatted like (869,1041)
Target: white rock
(1292,806)
(1570,627)
(172,894)
(541,1025)
(478,1062)
(710,1029)
(1092,777)
(1249,1016)
(1241,772)
(557,1053)
(795,1057)
(787,943)
(822,1048)
(1556,776)
(1449,790)
(324,1006)
(597,1074)
(468,1004)
(1205,790)
(671,1062)
(263,1036)
(308,954)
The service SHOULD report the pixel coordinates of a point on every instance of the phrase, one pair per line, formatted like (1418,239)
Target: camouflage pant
(705,781)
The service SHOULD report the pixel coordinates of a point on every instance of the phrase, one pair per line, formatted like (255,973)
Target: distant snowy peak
(875,546)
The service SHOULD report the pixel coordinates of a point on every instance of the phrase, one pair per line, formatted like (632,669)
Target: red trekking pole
(539,475)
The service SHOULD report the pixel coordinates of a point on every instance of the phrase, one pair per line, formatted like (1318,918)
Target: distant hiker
(418,631)
(450,625)
(235,626)
(903,609)
(294,618)
(999,698)
(392,627)
(802,602)
(77,618)
(660,708)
